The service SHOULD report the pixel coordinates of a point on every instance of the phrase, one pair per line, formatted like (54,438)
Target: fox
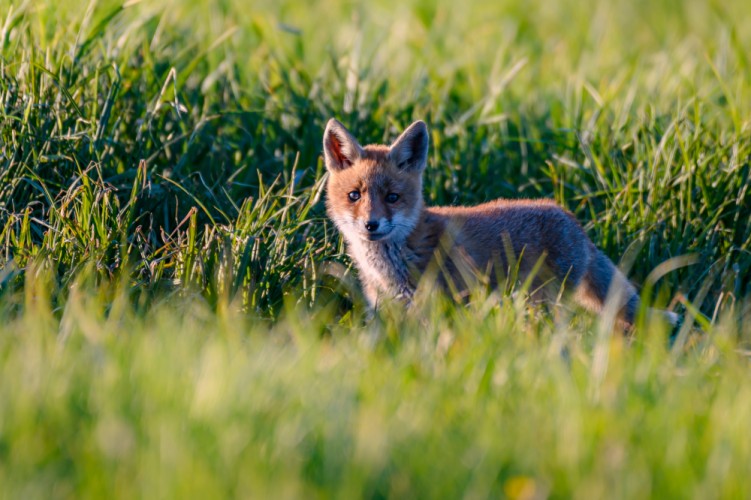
(374,196)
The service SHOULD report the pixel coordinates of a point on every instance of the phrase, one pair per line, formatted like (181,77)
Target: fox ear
(410,150)
(340,149)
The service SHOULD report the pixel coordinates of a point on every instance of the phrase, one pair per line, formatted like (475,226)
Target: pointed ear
(410,150)
(340,149)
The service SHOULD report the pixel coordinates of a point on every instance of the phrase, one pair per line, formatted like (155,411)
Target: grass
(179,317)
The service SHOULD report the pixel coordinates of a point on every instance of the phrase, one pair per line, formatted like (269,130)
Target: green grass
(180,319)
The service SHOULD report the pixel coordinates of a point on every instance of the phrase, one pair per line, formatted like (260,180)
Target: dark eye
(354,196)
(392,197)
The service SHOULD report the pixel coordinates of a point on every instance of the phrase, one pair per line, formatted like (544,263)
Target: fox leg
(370,291)
(601,275)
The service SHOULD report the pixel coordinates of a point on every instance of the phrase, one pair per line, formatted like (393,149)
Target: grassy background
(178,316)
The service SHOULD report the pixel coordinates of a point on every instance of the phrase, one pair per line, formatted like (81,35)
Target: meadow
(178,318)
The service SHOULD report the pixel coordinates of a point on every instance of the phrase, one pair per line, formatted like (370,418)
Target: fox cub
(374,196)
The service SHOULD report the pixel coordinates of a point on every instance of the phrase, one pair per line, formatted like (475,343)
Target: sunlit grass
(444,401)
(179,317)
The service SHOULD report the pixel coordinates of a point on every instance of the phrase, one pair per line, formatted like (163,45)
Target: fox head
(374,193)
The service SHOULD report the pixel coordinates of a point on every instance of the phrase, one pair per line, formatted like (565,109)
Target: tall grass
(488,400)
(179,317)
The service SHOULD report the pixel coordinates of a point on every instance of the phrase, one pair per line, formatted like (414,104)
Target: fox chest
(389,267)
(395,269)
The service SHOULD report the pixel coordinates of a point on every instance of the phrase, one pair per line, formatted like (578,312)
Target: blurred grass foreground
(178,318)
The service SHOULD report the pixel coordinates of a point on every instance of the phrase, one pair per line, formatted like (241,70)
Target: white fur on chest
(382,265)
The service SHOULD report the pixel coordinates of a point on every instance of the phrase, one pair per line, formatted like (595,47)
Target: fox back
(374,197)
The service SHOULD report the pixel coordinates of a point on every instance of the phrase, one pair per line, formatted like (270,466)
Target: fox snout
(373,217)
(376,229)
(375,221)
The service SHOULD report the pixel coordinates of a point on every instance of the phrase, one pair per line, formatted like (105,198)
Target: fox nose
(371,225)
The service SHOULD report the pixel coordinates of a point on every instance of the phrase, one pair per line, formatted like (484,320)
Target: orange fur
(393,241)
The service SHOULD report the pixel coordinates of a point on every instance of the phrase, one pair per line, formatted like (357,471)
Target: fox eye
(354,195)
(392,198)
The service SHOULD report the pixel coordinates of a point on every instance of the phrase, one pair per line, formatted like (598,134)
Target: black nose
(371,225)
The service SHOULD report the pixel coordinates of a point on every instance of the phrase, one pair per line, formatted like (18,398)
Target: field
(178,318)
